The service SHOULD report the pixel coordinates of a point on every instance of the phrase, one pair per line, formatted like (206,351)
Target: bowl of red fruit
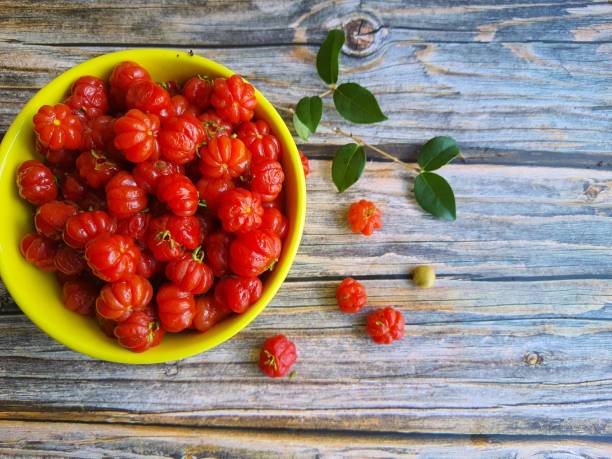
(152,202)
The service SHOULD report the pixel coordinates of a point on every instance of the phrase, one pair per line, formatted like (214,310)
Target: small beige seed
(424,276)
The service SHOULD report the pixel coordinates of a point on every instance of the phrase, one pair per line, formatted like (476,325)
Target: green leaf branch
(358,105)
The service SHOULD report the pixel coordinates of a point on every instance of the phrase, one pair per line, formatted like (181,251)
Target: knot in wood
(172,369)
(592,190)
(362,33)
(533,358)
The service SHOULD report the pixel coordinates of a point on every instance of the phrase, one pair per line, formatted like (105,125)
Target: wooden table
(509,355)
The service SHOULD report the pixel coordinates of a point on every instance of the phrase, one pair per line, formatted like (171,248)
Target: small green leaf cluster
(354,102)
(358,105)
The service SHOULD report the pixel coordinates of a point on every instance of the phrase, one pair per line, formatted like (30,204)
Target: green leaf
(307,116)
(300,128)
(348,165)
(437,152)
(435,195)
(327,57)
(355,103)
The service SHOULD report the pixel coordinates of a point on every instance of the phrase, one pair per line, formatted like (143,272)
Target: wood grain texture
(471,377)
(520,94)
(265,22)
(486,96)
(98,440)
(514,339)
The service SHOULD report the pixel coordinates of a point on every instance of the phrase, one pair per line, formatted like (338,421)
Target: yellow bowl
(38,293)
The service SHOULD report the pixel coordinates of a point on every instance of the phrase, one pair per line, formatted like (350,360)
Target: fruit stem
(360,141)
(271,360)
(198,254)
(164,236)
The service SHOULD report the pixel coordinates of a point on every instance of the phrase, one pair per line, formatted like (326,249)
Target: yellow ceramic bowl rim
(290,245)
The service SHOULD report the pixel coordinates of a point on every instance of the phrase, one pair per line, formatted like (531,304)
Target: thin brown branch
(413,168)
(285,109)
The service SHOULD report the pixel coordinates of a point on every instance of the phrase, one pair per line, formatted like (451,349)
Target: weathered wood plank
(99,440)
(7,305)
(446,303)
(516,336)
(472,377)
(256,23)
(516,223)
(496,99)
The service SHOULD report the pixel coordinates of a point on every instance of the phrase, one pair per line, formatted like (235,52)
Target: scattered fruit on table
(424,276)
(364,217)
(277,356)
(351,295)
(385,325)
